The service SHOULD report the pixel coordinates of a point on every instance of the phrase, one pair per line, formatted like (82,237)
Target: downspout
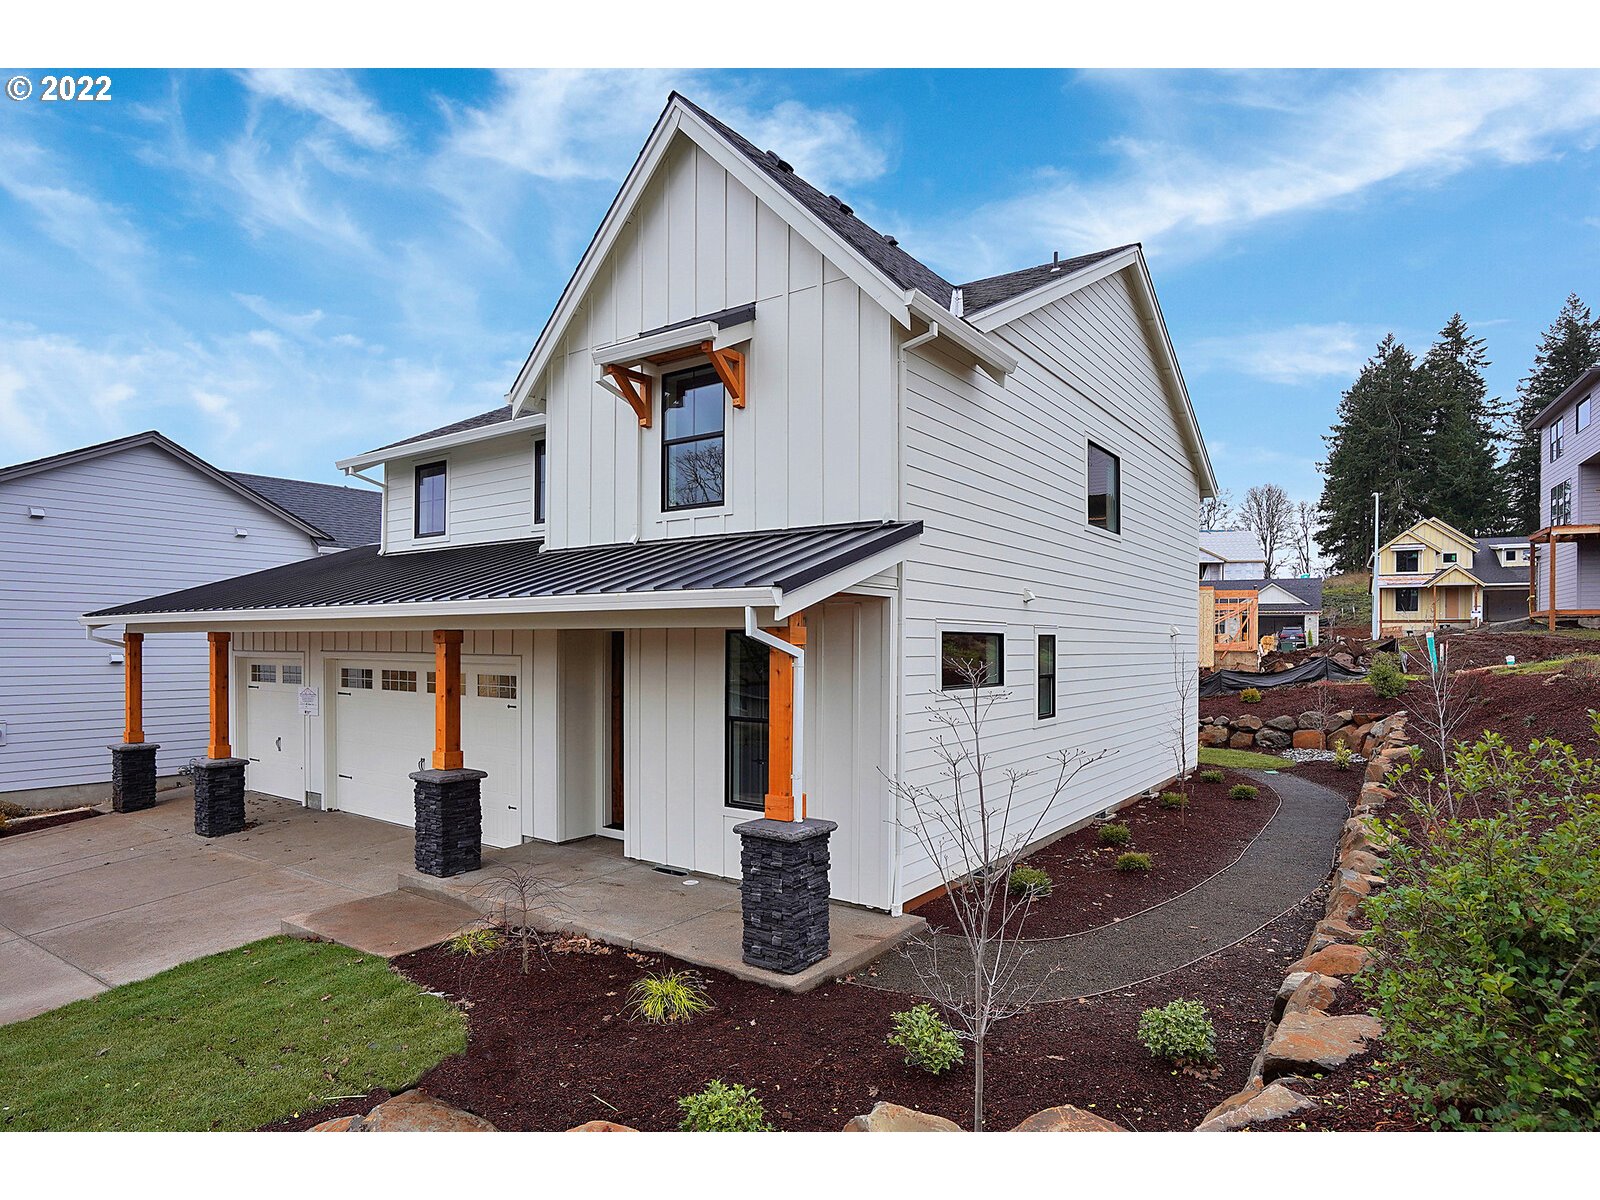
(796,781)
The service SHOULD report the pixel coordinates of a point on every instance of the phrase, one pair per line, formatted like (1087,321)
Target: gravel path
(1288,861)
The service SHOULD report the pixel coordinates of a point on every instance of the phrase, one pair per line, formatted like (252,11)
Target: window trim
(971,630)
(1564,489)
(1414,570)
(1555,439)
(1039,676)
(1449,558)
(1582,414)
(441,469)
(541,480)
(667,443)
(1116,493)
(729,720)
(1416,592)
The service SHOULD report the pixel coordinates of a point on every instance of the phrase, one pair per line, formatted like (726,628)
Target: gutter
(796,783)
(995,358)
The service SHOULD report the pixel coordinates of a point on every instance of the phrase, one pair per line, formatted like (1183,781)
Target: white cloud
(331,95)
(301,325)
(220,408)
(282,195)
(95,231)
(1295,354)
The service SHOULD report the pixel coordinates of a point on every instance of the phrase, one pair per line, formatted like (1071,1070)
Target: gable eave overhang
(991,354)
(678,117)
(1570,393)
(1006,311)
(1172,374)
(532,423)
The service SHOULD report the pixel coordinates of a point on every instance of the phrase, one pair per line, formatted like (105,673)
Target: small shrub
(1250,696)
(723,1108)
(927,1041)
(1181,1032)
(1385,675)
(1030,882)
(1211,776)
(1243,791)
(1133,860)
(1174,800)
(474,943)
(1115,834)
(667,997)
(1343,756)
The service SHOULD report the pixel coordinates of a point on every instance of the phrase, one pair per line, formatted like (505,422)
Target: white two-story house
(749,415)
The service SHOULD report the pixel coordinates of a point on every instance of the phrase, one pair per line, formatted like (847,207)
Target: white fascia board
(1047,293)
(994,357)
(634,349)
(1173,374)
(843,579)
(445,441)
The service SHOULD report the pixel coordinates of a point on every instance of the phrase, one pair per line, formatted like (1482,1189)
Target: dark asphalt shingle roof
(996,289)
(493,417)
(784,558)
(1486,563)
(722,318)
(349,516)
(1308,590)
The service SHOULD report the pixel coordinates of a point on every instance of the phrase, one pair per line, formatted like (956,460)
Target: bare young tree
(1305,522)
(1185,683)
(1268,510)
(1216,511)
(518,894)
(970,829)
(1437,723)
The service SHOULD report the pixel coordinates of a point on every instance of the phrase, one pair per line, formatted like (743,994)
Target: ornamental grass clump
(1030,883)
(925,1039)
(474,943)
(1174,800)
(723,1108)
(1385,675)
(1250,696)
(1243,791)
(1181,1032)
(1211,776)
(1133,861)
(668,997)
(1115,834)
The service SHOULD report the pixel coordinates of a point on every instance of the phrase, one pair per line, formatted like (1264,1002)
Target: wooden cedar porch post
(133,760)
(449,803)
(780,799)
(218,745)
(447,700)
(219,777)
(132,688)
(1550,600)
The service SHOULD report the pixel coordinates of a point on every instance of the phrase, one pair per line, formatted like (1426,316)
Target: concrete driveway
(122,896)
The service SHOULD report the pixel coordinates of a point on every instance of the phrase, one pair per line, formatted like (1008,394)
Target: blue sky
(280,269)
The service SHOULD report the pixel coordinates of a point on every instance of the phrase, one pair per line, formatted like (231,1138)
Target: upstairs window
(1407,562)
(1555,440)
(964,657)
(1561,504)
(539,477)
(1105,489)
(429,517)
(1583,413)
(693,403)
(1449,558)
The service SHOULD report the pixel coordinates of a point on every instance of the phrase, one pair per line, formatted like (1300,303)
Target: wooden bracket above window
(729,366)
(634,387)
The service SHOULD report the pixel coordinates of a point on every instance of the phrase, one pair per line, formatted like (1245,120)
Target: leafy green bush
(1243,791)
(1250,696)
(1114,834)
(1385,676)
(1211,776)
(1174,800)
(474,943)
(667,997)
(1181,1032)
(927,1041)
(723,1108)
(1030,882)
(1343,757)
(1487,971)
(1133,860)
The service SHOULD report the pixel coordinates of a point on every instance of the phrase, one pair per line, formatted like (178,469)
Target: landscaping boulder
(1253,1106)
(893,1118)
(1214,735)
(410,1112)
(1286,724)
(1272,739)
(1064,1118)
(1247,724)
(1342,960)
(1314,994)
(1314,1041)
(602,1127)
(1307,739)
(1242,740)
(1331,933)
(1310,720)
(1348,736)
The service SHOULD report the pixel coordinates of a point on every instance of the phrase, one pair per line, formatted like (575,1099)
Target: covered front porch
(1564,573)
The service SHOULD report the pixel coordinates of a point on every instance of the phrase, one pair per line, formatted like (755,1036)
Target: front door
(615,815)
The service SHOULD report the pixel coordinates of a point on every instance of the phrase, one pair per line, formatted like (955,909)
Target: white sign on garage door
(383,730)
(274,730)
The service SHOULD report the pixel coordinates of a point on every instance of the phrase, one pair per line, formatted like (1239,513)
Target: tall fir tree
(1568,348)
(1376,445)
(1457,479)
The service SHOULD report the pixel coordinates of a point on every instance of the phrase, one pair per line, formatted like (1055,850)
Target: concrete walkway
(1288,861)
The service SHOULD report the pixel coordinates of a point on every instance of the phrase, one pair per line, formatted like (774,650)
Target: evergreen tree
(1457,480)
(1569,347)
(1376,444)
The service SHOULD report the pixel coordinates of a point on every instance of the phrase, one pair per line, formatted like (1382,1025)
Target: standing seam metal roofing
(784,559)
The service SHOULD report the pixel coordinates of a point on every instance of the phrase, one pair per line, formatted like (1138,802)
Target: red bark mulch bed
(1292,701)
(17,826)
(1186,846)
(553,1049)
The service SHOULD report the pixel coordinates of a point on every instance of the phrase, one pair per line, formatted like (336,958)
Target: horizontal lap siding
(999,476)
(117,528)
(488,495)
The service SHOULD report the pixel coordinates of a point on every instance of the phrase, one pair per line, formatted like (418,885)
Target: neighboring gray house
(1565,551)
(1231,554)
(113,522)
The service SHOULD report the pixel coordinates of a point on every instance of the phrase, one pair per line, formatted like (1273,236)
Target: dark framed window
(1105,489)
(749,671)
(539,481)
(1407,600)
(1555,440)
(965,656)
(1407,562)
(1583,414)
(1449,558)
(692,406)
(1047,676)
(428,520)
(1561,504)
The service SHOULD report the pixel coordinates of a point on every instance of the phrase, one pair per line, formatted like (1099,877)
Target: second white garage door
(383,730)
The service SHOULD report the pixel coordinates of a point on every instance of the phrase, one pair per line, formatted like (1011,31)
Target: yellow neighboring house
(1433,576)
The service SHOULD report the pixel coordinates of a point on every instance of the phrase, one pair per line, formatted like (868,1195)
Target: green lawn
(1242,760)
(232,1041)
(1550,666)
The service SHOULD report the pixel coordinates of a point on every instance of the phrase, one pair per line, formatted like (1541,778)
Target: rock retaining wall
(1361,732)
(1302,1037)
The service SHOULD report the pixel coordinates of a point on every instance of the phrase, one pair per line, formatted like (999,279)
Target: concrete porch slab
(388,925)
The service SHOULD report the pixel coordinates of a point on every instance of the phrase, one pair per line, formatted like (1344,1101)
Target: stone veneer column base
(133,776)
(785,893)
(218,796)
(449,821)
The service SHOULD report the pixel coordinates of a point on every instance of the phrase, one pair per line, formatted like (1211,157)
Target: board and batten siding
(119,527)
(999,475)
(488,495)
(809,448)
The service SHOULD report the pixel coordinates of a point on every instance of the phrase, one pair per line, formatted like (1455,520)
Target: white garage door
(383,731)
(274,730)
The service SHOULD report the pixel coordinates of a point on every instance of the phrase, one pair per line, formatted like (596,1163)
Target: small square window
(497,687)
(356,678)
(432,679)
(964,657)
(292,674)
(1105,489)
(1450,558)
(263,673)
(399,681)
